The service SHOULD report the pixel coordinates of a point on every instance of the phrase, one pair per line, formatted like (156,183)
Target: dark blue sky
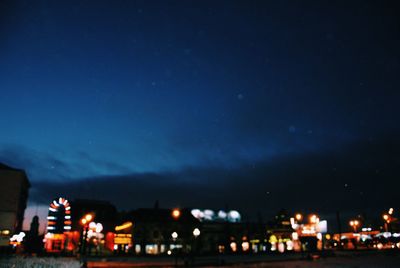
(92,90)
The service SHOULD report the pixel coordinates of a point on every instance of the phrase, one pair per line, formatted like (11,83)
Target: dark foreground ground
(345,259)
(338,259)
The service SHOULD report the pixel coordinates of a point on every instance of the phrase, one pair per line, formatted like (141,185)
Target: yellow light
(83,221)
(390,211)
(385,217)
(314,219)
(6,232)
(273,239)
(123,226)
(328,236)
(299,217)
(176,213)
(89,217)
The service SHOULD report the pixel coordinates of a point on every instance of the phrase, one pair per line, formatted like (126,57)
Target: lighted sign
(59,218)
(123,239)
(123,226)
(322,226)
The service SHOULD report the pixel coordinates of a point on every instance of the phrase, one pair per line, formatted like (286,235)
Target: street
(340,259)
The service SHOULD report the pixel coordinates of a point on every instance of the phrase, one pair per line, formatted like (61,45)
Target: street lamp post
(85,221)
(196,233)
(174,236)
(386,218)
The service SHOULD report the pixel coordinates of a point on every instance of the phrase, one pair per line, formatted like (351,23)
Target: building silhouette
(13,198)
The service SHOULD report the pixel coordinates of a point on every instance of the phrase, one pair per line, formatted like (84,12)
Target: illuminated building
(13,197)
(168,231)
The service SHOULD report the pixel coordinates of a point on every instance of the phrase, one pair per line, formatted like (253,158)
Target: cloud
(359,177)
(57,165)
(39,165)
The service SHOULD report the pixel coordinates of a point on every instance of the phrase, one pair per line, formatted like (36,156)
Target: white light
(65,202)
(174,235)
(295,236)
(67,208)
(222,214)
(322,226)
(51,217)
(234,216)
(49,235)
(319,236)
(99,227)
(51,227)
(115,247)
(60,200)
(197,213)
(196,232)
(169,252)
(281,247)
(387,234)
(67,217)
(55,203)
(52,209)
(67,227)
(245,246)
(289,245)
(18,237)
(208,214)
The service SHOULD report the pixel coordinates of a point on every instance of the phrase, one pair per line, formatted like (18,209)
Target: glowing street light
(387,218)
(196,232)
(354,224)
(390,211)
(89,217)
(174,235)
(85,221)
(176,213)
(298,217)
(314,219)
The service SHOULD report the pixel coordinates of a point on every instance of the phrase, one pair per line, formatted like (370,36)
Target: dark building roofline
(5,167)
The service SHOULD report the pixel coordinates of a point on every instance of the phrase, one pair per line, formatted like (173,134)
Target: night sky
(248,105)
